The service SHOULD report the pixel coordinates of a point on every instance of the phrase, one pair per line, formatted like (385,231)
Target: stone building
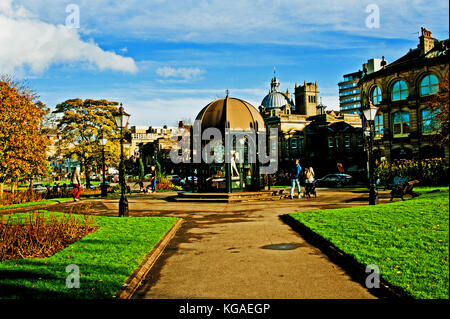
(404,124)
(305,128)
(141,135)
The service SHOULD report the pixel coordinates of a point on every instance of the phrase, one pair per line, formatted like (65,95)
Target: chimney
(426,41)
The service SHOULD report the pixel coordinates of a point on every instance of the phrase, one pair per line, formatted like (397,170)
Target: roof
(230,112)
(414,57)
(275,99)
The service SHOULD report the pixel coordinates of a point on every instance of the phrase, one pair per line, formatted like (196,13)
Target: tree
(80,126)
(439,101)
(23,141)
(141,172)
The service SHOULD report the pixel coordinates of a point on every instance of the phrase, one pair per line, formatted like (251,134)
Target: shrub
(429,172)
(36,236)
(20,197)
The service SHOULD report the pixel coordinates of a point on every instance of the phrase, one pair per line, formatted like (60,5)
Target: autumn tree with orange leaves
(23,142)
(439,103)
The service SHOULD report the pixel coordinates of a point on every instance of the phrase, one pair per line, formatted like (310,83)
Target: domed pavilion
(229,163)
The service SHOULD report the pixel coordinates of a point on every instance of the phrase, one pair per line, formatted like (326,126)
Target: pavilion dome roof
(231,113)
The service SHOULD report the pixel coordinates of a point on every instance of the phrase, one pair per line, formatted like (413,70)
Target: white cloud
(252,21)
(29,43)
(183,73)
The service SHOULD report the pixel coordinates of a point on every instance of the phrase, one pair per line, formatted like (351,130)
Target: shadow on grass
(16,289)
(354,269)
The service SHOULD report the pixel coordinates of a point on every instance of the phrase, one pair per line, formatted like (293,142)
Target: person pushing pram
(310,187)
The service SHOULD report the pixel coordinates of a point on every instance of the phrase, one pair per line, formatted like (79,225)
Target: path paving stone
(220,250)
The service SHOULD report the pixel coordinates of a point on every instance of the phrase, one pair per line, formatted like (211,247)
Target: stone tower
(306,99)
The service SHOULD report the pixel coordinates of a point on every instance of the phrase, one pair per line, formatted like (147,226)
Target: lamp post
(369,113)
(103,141)
(122,120)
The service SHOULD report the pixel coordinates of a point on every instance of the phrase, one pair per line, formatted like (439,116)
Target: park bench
(402,187)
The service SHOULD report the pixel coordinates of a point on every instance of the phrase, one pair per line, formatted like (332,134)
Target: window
(429,124)
(399,91)
(330,142)
(378,123)
(400,123)
(429,85)
(294,143)
(351,99)
(376,95)
(347,141)
(300,145)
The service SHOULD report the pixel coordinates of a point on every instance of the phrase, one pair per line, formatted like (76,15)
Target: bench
(403,187)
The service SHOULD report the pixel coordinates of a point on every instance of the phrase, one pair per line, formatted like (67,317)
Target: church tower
(306,99)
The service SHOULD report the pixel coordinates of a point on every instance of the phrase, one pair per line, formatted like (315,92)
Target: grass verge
(407,240)
(105,258)
(41,202)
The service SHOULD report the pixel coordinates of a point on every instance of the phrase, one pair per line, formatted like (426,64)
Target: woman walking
(76,183)
(309,182)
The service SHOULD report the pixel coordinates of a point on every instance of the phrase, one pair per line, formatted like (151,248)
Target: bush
(38,237)
(20,197)
(430,172)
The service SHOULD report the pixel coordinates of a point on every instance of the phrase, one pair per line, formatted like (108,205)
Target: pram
(310,189)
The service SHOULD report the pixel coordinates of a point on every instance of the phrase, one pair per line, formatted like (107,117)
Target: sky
(165,60)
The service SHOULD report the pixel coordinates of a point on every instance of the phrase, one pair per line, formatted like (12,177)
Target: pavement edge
(356,270)
(134,281)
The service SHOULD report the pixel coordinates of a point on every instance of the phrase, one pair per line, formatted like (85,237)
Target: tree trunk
(1,191)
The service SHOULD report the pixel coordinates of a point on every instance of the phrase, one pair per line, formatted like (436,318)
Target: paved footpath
(220,252)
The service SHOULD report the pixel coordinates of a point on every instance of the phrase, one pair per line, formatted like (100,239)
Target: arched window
(429,85)
(376,95)
(378,124)
(429,123)
(399,91)
(400,122)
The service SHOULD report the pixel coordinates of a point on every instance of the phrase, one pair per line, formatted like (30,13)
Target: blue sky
(165,60)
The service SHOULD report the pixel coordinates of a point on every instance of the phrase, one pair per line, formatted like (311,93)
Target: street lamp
(103,141)
(369,113)
(122,120)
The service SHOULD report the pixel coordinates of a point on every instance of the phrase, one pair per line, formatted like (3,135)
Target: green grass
(106,258)
(41,202)
(408,240)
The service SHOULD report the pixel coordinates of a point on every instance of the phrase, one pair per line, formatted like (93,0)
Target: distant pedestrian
(76,183)
(295,174)
(152,179)
(309,182)
(340,168)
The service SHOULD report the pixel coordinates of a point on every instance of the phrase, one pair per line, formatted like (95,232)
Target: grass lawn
(407,240)
(41,202)
(106,258)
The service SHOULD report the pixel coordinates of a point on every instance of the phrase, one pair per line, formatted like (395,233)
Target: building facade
(141,135)
(306,129)
(349,91)
(349,94)
(404,125)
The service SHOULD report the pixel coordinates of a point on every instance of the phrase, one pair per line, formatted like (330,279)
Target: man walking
(295,178)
